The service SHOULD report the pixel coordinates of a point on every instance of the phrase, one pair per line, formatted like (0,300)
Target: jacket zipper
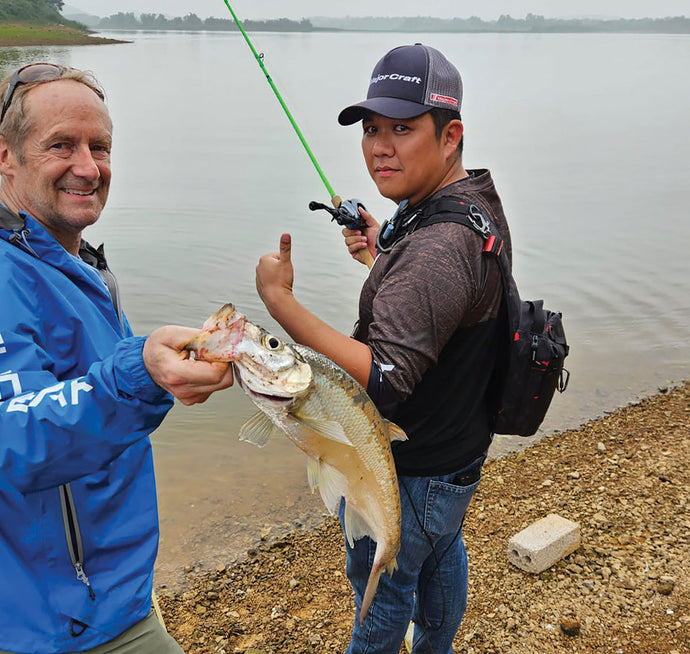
(73,535)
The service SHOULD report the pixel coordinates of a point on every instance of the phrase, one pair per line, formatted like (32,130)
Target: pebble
(665,585)
(599,519)
(570,626)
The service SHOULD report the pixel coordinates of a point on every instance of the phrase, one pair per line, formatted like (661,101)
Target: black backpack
(530,369)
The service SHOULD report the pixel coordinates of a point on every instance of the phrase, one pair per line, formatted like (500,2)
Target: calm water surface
(587,137)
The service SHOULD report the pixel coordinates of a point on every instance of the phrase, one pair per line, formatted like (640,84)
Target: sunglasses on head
(39,72)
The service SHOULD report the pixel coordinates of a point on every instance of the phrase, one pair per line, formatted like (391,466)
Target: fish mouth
(252,393)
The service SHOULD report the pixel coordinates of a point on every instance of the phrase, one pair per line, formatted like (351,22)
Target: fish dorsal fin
(329,429)
(356,526)
(331,482)
(395,433)
(257,430)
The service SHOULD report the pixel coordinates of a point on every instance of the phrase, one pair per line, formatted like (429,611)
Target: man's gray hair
(16,125)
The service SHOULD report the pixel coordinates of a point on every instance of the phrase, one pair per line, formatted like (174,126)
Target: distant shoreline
(531,24)
(18,35)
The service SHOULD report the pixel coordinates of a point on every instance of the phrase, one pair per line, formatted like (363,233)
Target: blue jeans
(430,584)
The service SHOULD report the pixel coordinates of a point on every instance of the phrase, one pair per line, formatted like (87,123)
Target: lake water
(587,137)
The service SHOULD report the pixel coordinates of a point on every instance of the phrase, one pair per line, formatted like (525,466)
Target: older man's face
(64,178)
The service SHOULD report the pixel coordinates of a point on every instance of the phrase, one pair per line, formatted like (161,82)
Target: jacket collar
(10,220)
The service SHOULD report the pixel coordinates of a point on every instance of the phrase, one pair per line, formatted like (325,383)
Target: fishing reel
(346,214)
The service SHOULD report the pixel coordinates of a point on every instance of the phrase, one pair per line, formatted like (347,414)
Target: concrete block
(543,543)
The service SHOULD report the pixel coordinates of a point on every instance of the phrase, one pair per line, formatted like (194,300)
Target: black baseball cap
(407,82)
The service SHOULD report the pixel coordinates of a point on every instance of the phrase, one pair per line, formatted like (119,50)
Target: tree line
(129,21)
(38,12)
(47,12)
(505,23)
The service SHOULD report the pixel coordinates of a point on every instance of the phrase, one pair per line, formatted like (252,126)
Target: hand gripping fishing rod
(344,213)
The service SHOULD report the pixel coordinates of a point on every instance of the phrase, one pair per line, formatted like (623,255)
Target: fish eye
(272,343)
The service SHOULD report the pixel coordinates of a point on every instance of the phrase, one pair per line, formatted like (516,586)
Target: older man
(79,394)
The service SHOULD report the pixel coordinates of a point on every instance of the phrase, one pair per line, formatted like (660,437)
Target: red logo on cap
(443,98)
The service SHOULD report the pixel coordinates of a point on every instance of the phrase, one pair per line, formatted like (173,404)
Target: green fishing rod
(344,213)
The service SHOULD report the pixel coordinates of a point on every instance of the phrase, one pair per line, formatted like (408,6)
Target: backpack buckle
(478,220)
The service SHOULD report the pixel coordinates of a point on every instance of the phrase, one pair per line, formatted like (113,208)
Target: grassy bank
(19,35)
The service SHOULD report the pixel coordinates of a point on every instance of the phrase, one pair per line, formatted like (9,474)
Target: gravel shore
(624,478)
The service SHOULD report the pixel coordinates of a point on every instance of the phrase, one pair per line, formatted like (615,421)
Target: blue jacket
(78,512)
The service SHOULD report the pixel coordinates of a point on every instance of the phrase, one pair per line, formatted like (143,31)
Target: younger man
(425,343)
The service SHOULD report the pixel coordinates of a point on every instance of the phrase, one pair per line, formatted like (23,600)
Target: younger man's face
(404,157)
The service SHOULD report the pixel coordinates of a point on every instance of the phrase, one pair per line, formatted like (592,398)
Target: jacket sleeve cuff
(131,376)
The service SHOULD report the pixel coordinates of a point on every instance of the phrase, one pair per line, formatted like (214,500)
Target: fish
(325,412)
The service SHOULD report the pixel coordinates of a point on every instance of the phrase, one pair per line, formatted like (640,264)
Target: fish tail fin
(370,591)
(373,582)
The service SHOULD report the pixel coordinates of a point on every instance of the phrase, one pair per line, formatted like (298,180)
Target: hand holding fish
(170,366)
(358,240)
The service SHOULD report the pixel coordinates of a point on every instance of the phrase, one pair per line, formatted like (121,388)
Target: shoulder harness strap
(457,210)
(465,212)
(96,257)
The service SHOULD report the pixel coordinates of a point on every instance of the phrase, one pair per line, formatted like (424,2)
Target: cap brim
(388,107)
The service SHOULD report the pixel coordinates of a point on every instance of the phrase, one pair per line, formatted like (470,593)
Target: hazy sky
(296,9)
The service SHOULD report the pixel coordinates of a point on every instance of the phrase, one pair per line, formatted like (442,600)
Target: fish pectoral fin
(395,433)
(329,429)
(331,482)
(356,526)
(257,430)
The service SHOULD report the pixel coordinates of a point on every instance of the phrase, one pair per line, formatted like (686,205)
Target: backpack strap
(457,210)
(95,257)
(450,209)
